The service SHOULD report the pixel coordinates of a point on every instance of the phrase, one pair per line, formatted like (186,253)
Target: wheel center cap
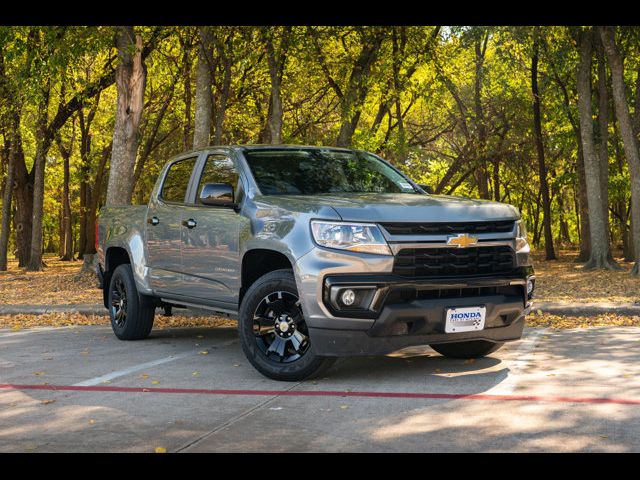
(284,326)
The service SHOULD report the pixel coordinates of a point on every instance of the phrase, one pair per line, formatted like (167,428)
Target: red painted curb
(323,393)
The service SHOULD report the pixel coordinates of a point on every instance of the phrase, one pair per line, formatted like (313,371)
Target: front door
(164,227)
(210,239)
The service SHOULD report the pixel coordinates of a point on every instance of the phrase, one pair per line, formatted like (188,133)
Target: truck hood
(387,207)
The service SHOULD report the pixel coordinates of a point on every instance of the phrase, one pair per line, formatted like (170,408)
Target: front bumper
(400,321)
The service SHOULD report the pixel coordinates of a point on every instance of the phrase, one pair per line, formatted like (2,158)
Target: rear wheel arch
(113,258)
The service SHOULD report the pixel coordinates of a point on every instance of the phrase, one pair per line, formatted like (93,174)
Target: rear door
(210,248)
(164,227)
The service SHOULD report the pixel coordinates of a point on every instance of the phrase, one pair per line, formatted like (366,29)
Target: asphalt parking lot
(191,390)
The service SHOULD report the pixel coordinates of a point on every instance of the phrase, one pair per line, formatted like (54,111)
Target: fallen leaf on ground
(195,374)
(47,402)
(155,382)
(161,450)
(144,375)
(344,407)
(38,374)
(203,352)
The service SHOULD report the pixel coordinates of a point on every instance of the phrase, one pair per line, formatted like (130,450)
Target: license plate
(465,319)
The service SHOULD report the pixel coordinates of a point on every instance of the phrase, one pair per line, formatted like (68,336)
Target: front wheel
(472,349)
(273,331)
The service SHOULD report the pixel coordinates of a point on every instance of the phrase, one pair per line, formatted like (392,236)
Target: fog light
(348,297)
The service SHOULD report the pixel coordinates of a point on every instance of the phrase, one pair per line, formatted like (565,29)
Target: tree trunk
(6,208)
(603,129)
(131,77)
(221,110)
(85,169)
(481,174)
(187,143)
(627,133)
(276,56)
(600,254)
(542,168)
(585,237)
(90,246)
(43,141)
(23,197)
(621,205)
(66,214)
(204,101)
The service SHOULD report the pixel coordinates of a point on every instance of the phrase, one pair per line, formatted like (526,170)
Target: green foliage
(444,107)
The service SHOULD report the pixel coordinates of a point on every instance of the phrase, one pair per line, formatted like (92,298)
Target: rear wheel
(472,349)
(131,313)
(273,331)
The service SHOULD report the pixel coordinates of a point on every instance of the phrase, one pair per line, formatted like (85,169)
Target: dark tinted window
(315,171)
(219,169)
(176,182)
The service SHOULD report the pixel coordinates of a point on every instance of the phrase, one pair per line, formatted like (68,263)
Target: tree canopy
(487,112)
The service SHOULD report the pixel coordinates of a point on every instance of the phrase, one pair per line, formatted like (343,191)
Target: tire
(275,352)
(131,314)
(472,349)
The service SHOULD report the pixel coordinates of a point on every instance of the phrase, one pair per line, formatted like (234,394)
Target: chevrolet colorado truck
(319,253)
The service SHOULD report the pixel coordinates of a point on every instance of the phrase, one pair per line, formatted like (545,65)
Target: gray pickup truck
(319,253)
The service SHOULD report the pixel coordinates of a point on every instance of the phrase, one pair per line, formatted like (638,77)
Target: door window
(219,169)
(176,182)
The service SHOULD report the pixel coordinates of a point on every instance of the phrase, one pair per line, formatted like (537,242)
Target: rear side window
(176,181)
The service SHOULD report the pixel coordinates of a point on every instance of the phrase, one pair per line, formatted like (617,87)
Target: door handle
(153,220)
(191,223)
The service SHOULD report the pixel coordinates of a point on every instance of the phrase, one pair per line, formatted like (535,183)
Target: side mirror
(426,188)
(217,194)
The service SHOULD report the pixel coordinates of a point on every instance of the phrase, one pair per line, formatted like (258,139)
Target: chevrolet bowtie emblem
(462,240)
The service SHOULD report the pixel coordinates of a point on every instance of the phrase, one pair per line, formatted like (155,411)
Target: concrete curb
(587,309)
(86,309)
(556,308)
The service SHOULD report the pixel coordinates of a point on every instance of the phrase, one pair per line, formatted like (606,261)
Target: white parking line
(142,366)
(134,368)
(523,354)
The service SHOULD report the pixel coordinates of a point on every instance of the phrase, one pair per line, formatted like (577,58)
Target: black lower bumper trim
(344,343)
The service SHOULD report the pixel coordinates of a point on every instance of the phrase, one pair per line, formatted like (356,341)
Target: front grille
(501,226)
(454,262)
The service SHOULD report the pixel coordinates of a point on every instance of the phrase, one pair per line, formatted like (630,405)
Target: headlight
(521,236)
(354,237)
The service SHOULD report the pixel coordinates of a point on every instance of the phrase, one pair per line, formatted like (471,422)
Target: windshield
(316,171)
